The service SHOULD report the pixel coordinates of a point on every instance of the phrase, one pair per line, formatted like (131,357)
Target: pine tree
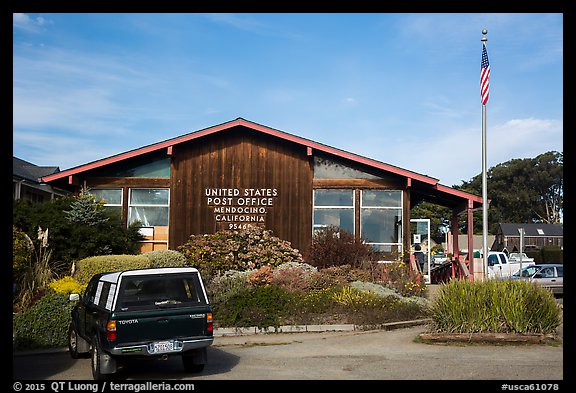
(86,210)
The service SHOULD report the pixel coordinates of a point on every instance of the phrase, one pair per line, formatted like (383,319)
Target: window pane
(114,210)
(142,293)
(149,196)
(111,196)
(381,198)
(328,169)
(149,216)
(381,225)
(145,166)
(334,198)
(343,218)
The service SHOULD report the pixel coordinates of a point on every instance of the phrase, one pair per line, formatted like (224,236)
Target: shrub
(334,246)
(328,277)
(260,306)
(238,250)
(336,275)
(552,254)
(403,279)
(75,239)
(223,286)
(44,324)
(261,277)
(34,270)
(21,249)
(305,267)
(67,285)
(87,267)
(290,279)
(500,306)
(166,258)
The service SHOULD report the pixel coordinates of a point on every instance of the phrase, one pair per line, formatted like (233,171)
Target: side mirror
(74,297)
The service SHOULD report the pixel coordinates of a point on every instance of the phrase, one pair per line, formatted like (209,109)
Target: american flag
(484,76)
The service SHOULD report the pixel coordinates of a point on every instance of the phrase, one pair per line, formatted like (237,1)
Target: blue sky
(399,88)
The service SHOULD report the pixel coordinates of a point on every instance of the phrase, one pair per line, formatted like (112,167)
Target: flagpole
(484,181)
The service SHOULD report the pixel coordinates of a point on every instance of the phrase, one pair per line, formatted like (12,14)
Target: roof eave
(241,122)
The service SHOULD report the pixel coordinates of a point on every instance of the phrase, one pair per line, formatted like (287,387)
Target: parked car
(550,276)
(144,313)
(514,257)
(499,266)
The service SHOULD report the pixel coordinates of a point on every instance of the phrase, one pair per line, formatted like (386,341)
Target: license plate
(163,346)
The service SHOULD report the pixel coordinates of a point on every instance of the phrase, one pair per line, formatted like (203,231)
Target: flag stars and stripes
(484,76)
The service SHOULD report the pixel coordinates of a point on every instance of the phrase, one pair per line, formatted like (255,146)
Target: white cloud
(26,23)
(455,155)
(525,138)
(21,20)
(51,149)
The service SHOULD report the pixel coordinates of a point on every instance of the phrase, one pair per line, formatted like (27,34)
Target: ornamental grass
(495,306)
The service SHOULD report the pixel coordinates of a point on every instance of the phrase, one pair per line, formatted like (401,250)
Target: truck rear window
(160,291)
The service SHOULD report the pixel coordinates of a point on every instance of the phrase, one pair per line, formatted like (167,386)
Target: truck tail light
(209,323)
(111,330)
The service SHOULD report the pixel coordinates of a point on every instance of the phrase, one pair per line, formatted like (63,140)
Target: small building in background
(27,181)
(536,236)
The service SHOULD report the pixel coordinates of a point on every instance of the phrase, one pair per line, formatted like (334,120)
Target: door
(420,235)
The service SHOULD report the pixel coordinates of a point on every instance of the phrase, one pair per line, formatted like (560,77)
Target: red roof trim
(458,193)
(242,122)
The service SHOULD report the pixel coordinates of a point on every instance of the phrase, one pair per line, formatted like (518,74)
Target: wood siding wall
(241,159)
(514,241)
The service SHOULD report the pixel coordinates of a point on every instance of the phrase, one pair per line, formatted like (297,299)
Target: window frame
(318,227)
(130,205)
(110,205)
(399,208)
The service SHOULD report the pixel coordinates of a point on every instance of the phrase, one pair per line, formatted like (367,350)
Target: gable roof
(241,122)
(532,230)
(28,171)
(443,194)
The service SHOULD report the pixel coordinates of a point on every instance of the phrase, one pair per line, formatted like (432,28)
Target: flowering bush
(67,285)
(349,296)
(251,248)
(291,279)
(404,280)
(261,277)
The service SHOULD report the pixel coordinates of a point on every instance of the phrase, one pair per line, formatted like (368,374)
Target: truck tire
(73,342)
(96,362)
(191,363)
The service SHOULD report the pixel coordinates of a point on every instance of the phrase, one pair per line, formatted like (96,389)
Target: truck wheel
(97,362)
(73,342)
(190,366)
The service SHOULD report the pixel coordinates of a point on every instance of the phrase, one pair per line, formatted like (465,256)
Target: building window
(149,206)
(141,167)
(328,169)
(381,220)
(112,198)
(333,208)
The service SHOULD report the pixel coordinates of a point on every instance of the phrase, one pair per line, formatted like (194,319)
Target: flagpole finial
(484,32)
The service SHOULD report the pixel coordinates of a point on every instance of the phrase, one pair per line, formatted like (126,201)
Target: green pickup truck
(145,313)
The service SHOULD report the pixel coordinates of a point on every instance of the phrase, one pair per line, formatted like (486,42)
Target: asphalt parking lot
(356,355)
